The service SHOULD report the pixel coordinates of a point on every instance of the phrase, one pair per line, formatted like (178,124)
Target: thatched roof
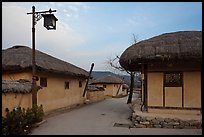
(19,58)
(17,86)
(108,80)
(169,47)
(95,88)
(125,86)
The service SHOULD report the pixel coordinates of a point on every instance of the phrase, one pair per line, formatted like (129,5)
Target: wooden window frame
(80,83)
(178,84)
(66,85)
(43,81)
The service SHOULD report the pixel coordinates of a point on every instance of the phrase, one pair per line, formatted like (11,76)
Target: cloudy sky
(94,32)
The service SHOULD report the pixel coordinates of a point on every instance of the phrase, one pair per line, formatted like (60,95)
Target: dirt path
(107,117)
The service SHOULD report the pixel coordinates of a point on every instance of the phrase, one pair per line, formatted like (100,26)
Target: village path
(99,119)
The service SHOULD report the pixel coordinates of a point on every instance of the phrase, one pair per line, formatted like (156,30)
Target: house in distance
(113,85)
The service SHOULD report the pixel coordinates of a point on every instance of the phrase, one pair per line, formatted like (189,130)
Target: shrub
(20,121)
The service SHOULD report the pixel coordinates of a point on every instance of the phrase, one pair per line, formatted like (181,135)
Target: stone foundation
(159,122)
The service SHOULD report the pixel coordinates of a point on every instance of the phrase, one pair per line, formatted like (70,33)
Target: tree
(114,63)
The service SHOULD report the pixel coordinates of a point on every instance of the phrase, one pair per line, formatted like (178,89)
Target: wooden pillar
(144,86)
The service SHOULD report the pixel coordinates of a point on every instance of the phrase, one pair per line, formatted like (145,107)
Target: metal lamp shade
(49,21)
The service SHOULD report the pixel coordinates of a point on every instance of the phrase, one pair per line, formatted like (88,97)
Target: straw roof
(94,88)
(125,86)
(169,47)
(19,58)
(17,86)
(108,80)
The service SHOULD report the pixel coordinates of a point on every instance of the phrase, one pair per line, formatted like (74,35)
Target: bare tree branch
(114,63)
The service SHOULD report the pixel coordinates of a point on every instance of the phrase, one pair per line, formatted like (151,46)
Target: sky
(95,32)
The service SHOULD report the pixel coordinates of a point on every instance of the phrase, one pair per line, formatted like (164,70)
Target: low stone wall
(94,96)
(159,122)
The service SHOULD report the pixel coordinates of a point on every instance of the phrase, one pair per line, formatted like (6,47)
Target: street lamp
(49,23)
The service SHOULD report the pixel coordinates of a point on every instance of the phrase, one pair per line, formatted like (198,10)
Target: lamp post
(50,24)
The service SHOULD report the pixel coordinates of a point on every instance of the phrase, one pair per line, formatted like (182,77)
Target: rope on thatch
(17,86)
(168,47)
(19,58)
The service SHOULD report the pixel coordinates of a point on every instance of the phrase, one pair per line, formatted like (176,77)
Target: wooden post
(34,89)
(92,65)
(145,87)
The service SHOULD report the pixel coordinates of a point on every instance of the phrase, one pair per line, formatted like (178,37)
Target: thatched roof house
(113,85)
(18,58)
(62,82)
(95,93)
(16,93)
(170,66)
(169,47)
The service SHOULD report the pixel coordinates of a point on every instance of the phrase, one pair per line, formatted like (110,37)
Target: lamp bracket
(38,16)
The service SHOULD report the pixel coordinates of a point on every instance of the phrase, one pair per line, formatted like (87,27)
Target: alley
(107,117)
